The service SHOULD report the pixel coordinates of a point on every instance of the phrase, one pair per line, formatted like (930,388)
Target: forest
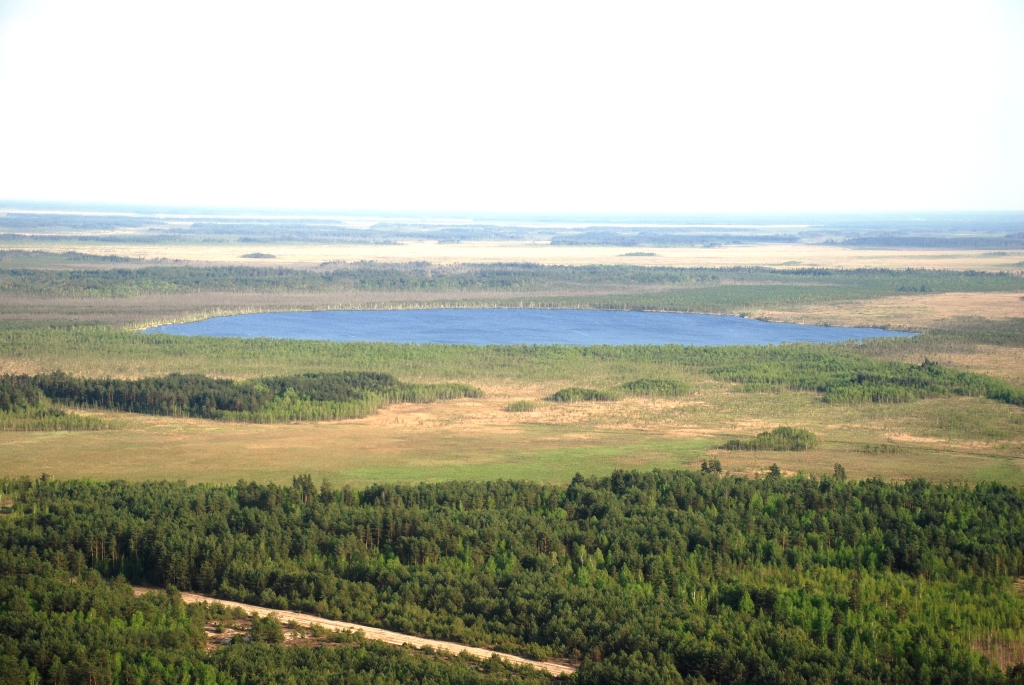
(59,627)
(962,242)
(415,277)
(640,577)
(309,396)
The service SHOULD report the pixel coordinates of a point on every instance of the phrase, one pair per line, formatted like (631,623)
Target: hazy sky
(519,106)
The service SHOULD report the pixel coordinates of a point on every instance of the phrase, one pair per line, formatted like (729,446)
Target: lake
(518,326)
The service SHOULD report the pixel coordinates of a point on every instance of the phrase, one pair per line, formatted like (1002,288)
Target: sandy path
(387,636)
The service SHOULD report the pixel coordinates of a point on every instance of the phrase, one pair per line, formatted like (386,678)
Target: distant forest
(964,242)
(513,277)
(937,231)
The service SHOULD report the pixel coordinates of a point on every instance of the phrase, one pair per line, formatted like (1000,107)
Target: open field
(788,255)
(946,439)
(913,312)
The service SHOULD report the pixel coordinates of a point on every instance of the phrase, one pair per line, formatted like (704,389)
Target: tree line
(309,396)
(504,277)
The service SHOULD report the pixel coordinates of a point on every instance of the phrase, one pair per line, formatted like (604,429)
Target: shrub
(267,629)
(711,466)
(584,395)
(781,439)
(882,448)
(655,387)
(520,406)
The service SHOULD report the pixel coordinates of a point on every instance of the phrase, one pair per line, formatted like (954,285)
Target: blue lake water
(518,326)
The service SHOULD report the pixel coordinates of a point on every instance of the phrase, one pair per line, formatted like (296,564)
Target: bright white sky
(520,106)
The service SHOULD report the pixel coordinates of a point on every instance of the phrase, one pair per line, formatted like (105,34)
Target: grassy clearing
(478,439)
(916,312)
(207,451)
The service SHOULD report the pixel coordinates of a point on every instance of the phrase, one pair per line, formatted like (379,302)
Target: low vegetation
(585,395)
(520,406)
(655,387)
(644,577)
(781,439)
(644,387)
(45,417)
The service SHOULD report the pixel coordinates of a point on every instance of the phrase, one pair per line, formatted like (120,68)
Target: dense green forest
(366,276)
(309,396)
(61,627)
(644,577)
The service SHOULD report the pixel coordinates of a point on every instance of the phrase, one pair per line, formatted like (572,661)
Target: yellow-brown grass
(478,439)
(778,255)
(916,312)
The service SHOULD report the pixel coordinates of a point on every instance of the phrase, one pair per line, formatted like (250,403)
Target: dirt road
(391,638)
